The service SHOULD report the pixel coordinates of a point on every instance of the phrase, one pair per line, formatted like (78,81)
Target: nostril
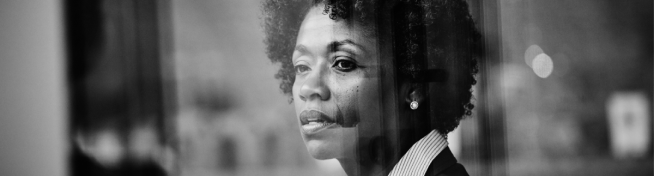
(313,87)
(317,96)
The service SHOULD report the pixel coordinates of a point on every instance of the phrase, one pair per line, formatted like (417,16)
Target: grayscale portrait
(376,85)
(326,87)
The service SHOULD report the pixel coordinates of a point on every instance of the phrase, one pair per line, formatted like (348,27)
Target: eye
(299,69)
(345,65)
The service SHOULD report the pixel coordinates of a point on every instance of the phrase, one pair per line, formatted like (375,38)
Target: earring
(414,105)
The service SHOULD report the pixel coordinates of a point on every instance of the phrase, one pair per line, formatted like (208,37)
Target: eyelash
(299,69)
(338,65)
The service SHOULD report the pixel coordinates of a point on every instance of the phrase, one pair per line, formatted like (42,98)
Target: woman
(376,85)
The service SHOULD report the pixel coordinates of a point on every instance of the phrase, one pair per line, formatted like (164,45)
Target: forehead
(316,21)
(318,25)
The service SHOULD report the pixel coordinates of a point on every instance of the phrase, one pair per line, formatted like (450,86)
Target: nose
(314,87)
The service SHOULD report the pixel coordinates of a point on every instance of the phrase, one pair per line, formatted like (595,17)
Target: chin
(322,150)
(321,156)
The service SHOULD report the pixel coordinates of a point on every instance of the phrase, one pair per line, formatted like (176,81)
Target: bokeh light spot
(531,53)
(543,65)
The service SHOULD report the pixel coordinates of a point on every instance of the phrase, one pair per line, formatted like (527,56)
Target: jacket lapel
(443,161)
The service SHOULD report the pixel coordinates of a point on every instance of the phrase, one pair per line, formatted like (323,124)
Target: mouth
(313,121)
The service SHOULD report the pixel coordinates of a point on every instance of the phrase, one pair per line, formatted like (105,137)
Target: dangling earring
(414,105)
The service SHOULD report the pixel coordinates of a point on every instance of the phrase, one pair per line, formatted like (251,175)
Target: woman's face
(336,84)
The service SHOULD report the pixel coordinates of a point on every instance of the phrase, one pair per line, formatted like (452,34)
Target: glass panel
(266,87)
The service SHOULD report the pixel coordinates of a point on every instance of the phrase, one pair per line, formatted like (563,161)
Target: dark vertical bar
(409,51)
(491,120)
(115,74)
(388,83)
(167,83)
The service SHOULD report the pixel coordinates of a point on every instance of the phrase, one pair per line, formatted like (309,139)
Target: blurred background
(172,87)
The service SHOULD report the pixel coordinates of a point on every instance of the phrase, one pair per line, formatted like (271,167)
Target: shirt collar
(416,161)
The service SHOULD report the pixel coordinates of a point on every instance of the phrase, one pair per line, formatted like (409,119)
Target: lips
(314,121)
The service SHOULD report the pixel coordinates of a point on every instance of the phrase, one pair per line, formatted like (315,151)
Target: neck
(349,165)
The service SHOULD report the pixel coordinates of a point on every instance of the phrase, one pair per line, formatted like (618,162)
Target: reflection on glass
(189,88)
(376,86)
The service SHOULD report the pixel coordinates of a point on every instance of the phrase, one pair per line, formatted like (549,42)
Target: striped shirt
(416,161)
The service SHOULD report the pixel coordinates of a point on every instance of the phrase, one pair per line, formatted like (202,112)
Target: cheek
(368,96)
(295,89)
(356,95)
(345,92)
(370,90)
(295,92)
(369,109)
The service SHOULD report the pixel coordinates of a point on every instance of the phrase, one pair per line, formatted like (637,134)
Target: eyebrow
(302,49)
(332,46)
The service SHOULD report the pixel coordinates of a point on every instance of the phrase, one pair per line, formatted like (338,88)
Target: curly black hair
(451,38)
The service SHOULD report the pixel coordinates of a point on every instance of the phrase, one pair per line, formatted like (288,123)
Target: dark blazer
(445,165)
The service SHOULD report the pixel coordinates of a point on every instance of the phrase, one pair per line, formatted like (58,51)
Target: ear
(416,93)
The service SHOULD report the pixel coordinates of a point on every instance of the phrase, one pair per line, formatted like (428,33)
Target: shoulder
(445,165)
(456,169)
